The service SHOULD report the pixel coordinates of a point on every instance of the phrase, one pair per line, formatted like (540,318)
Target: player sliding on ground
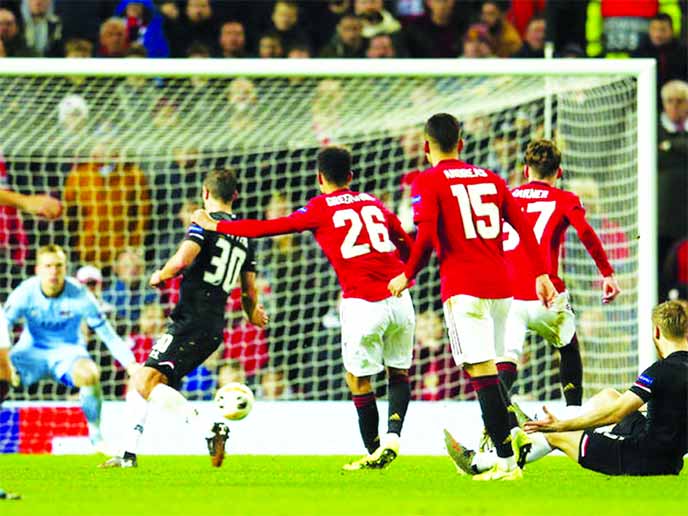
(549,211)
(211,264)
(52,344)
(459,207)
(360,238)
(631,443)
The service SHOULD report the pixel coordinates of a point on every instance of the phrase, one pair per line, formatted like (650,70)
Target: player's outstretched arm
(593,244)
(185,255)
(604,414)
(249,300)
(41,205)
(251,228)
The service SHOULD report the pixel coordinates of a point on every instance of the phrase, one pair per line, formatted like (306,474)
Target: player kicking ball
(360,238)
(211,264)
(609,435)
(52,344)
(459,208)
(550,211)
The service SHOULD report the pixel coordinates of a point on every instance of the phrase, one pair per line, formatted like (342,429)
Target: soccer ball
(234,400)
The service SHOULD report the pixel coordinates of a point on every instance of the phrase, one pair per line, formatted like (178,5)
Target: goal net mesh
(127,157)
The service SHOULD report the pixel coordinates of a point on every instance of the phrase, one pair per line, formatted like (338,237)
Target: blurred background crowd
(153,200)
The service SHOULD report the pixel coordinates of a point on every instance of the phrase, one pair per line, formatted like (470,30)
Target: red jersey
(358,234)
(549,211)
(459,208)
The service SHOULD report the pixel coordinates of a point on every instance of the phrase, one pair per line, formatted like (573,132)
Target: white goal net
(127,156)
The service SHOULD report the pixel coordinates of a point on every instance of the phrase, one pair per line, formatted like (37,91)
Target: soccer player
(361,239)
(459,208)
(211,265)
(610,435)
(549,211)
(52,344)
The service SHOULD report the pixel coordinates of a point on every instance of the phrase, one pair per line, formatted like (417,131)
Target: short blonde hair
(49,249)
(675,89)
(672,319)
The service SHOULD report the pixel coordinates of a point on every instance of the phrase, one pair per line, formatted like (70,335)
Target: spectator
(144,26)
(285,24)
(151,325)
(42,28)
(376,20)
(12,42)
(565,23)
(674,278)
(128,291)
(72,114)
(107,203)
(381,45)
(534,40)
(322,20)
(91,277)
(615,28)
(78,48)
(478,42)
(507,40)
(195,25)
(438,32)
(270,46)
(660,44)
(113,38)
(348,41)
(299,51)
(232,40)
(273,385)
(136,96)
(672,135)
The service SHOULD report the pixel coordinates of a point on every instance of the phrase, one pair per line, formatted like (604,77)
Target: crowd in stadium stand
(320,29)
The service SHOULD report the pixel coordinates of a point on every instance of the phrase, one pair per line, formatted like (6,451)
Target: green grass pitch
(284,485)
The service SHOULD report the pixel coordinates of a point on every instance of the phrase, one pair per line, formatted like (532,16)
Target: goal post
(163,123)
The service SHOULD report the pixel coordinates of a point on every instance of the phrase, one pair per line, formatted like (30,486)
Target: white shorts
(556,324)
(476,327)
(379,334)
(4,331)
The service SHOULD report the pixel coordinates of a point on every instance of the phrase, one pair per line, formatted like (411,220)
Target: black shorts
(175,356)
(620,451)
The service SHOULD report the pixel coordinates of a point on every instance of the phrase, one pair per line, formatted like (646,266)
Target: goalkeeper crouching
(52,345)
(610,435)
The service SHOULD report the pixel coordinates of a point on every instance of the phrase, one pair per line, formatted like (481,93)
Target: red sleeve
(590,240)
(425,215)
(303,219)
(422,249)
(400,238)
(513,215)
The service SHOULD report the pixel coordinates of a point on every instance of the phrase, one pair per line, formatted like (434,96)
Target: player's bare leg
(512,445)
(368,417)
(86,377)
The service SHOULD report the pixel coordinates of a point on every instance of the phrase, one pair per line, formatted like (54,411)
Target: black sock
(571,372)
(513,422)
(507,373)
(368,419)
(4,390)
(129,456)
(495,415)
(399,395)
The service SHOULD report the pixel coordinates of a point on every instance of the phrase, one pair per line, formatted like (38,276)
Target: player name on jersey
(462,173)
(531,193)
(348,199)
